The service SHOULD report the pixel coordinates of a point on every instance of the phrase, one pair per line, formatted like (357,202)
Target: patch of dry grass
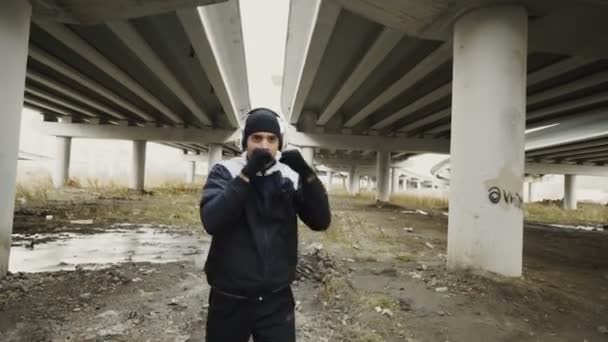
(34,192)
(419,202)
(550,212)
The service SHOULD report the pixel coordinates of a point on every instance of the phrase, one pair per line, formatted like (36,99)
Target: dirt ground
(378,274)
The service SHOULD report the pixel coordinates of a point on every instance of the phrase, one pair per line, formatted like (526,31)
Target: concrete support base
(190,170)
(570,198)
(215,155)
(533,195)
(485,229)
(354,181)
(308,155)
(138,167)
(395,188)
(14,36)
(383,173)
(61,173)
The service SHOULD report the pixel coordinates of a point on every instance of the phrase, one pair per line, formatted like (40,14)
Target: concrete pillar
(14,36)
(308,155)
(215,155)
(533,192)
(61,174)
(190,170)
(330,180)
(418,184)
(526,192)
(395,183)
(485,229)
(138,165)
(383,174)
(354,181)
(570,200)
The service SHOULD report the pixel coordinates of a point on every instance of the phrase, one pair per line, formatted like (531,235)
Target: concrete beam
(69,92)
(312,37)
(384,43)
(73,41)
(39,93)
(427,120)
(215,33)
(97,11)
(543,74)
(40,105)
(568,88)
(54,63)
(366,142)
(155,134)
(420,103)
(127,33)
(584,127)
(566,169)
(573,147)
(441,55)
(569,105)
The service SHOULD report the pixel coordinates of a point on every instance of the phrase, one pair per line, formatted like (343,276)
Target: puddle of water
(586,228)
(53,252)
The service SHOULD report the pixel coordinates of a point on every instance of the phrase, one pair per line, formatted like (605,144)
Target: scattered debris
(409,229)
(89,221)
(49,217)
(602,329)
(441,289)
(429,245)
(421,212)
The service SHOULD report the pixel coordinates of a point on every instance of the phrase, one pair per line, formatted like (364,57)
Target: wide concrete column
(190,169)
(570,198)
(215,155)
(485,229)
(533,192)
(308,155)
(14,36)
(526,192)
(353,181)
(383,175)
(395,181)
(138,165)
(61,174)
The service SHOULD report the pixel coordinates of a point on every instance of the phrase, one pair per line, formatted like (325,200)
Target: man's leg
(228,319)
(275,318)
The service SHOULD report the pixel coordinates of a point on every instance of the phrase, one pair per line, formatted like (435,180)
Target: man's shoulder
(232,165)
(288,173)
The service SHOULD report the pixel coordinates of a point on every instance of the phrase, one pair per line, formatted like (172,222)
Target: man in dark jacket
(250,206)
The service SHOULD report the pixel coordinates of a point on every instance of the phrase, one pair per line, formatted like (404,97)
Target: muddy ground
(378,274)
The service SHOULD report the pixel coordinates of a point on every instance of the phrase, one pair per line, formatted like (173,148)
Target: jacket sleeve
(312,204)
(223,200)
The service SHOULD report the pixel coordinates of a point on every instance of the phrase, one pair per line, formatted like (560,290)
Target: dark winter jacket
(254,244)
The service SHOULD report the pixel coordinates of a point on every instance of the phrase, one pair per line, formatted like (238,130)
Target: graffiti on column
(497,194)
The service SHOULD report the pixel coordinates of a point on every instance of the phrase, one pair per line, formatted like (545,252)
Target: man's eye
(272,139)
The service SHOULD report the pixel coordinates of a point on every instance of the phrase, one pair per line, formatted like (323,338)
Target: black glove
(294,160)
(256,162)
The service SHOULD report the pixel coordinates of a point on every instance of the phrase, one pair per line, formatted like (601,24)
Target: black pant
(269,319)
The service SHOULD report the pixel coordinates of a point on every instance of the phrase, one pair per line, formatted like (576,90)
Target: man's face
(263,140)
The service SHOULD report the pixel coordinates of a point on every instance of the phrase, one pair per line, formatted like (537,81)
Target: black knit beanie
(262,120)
